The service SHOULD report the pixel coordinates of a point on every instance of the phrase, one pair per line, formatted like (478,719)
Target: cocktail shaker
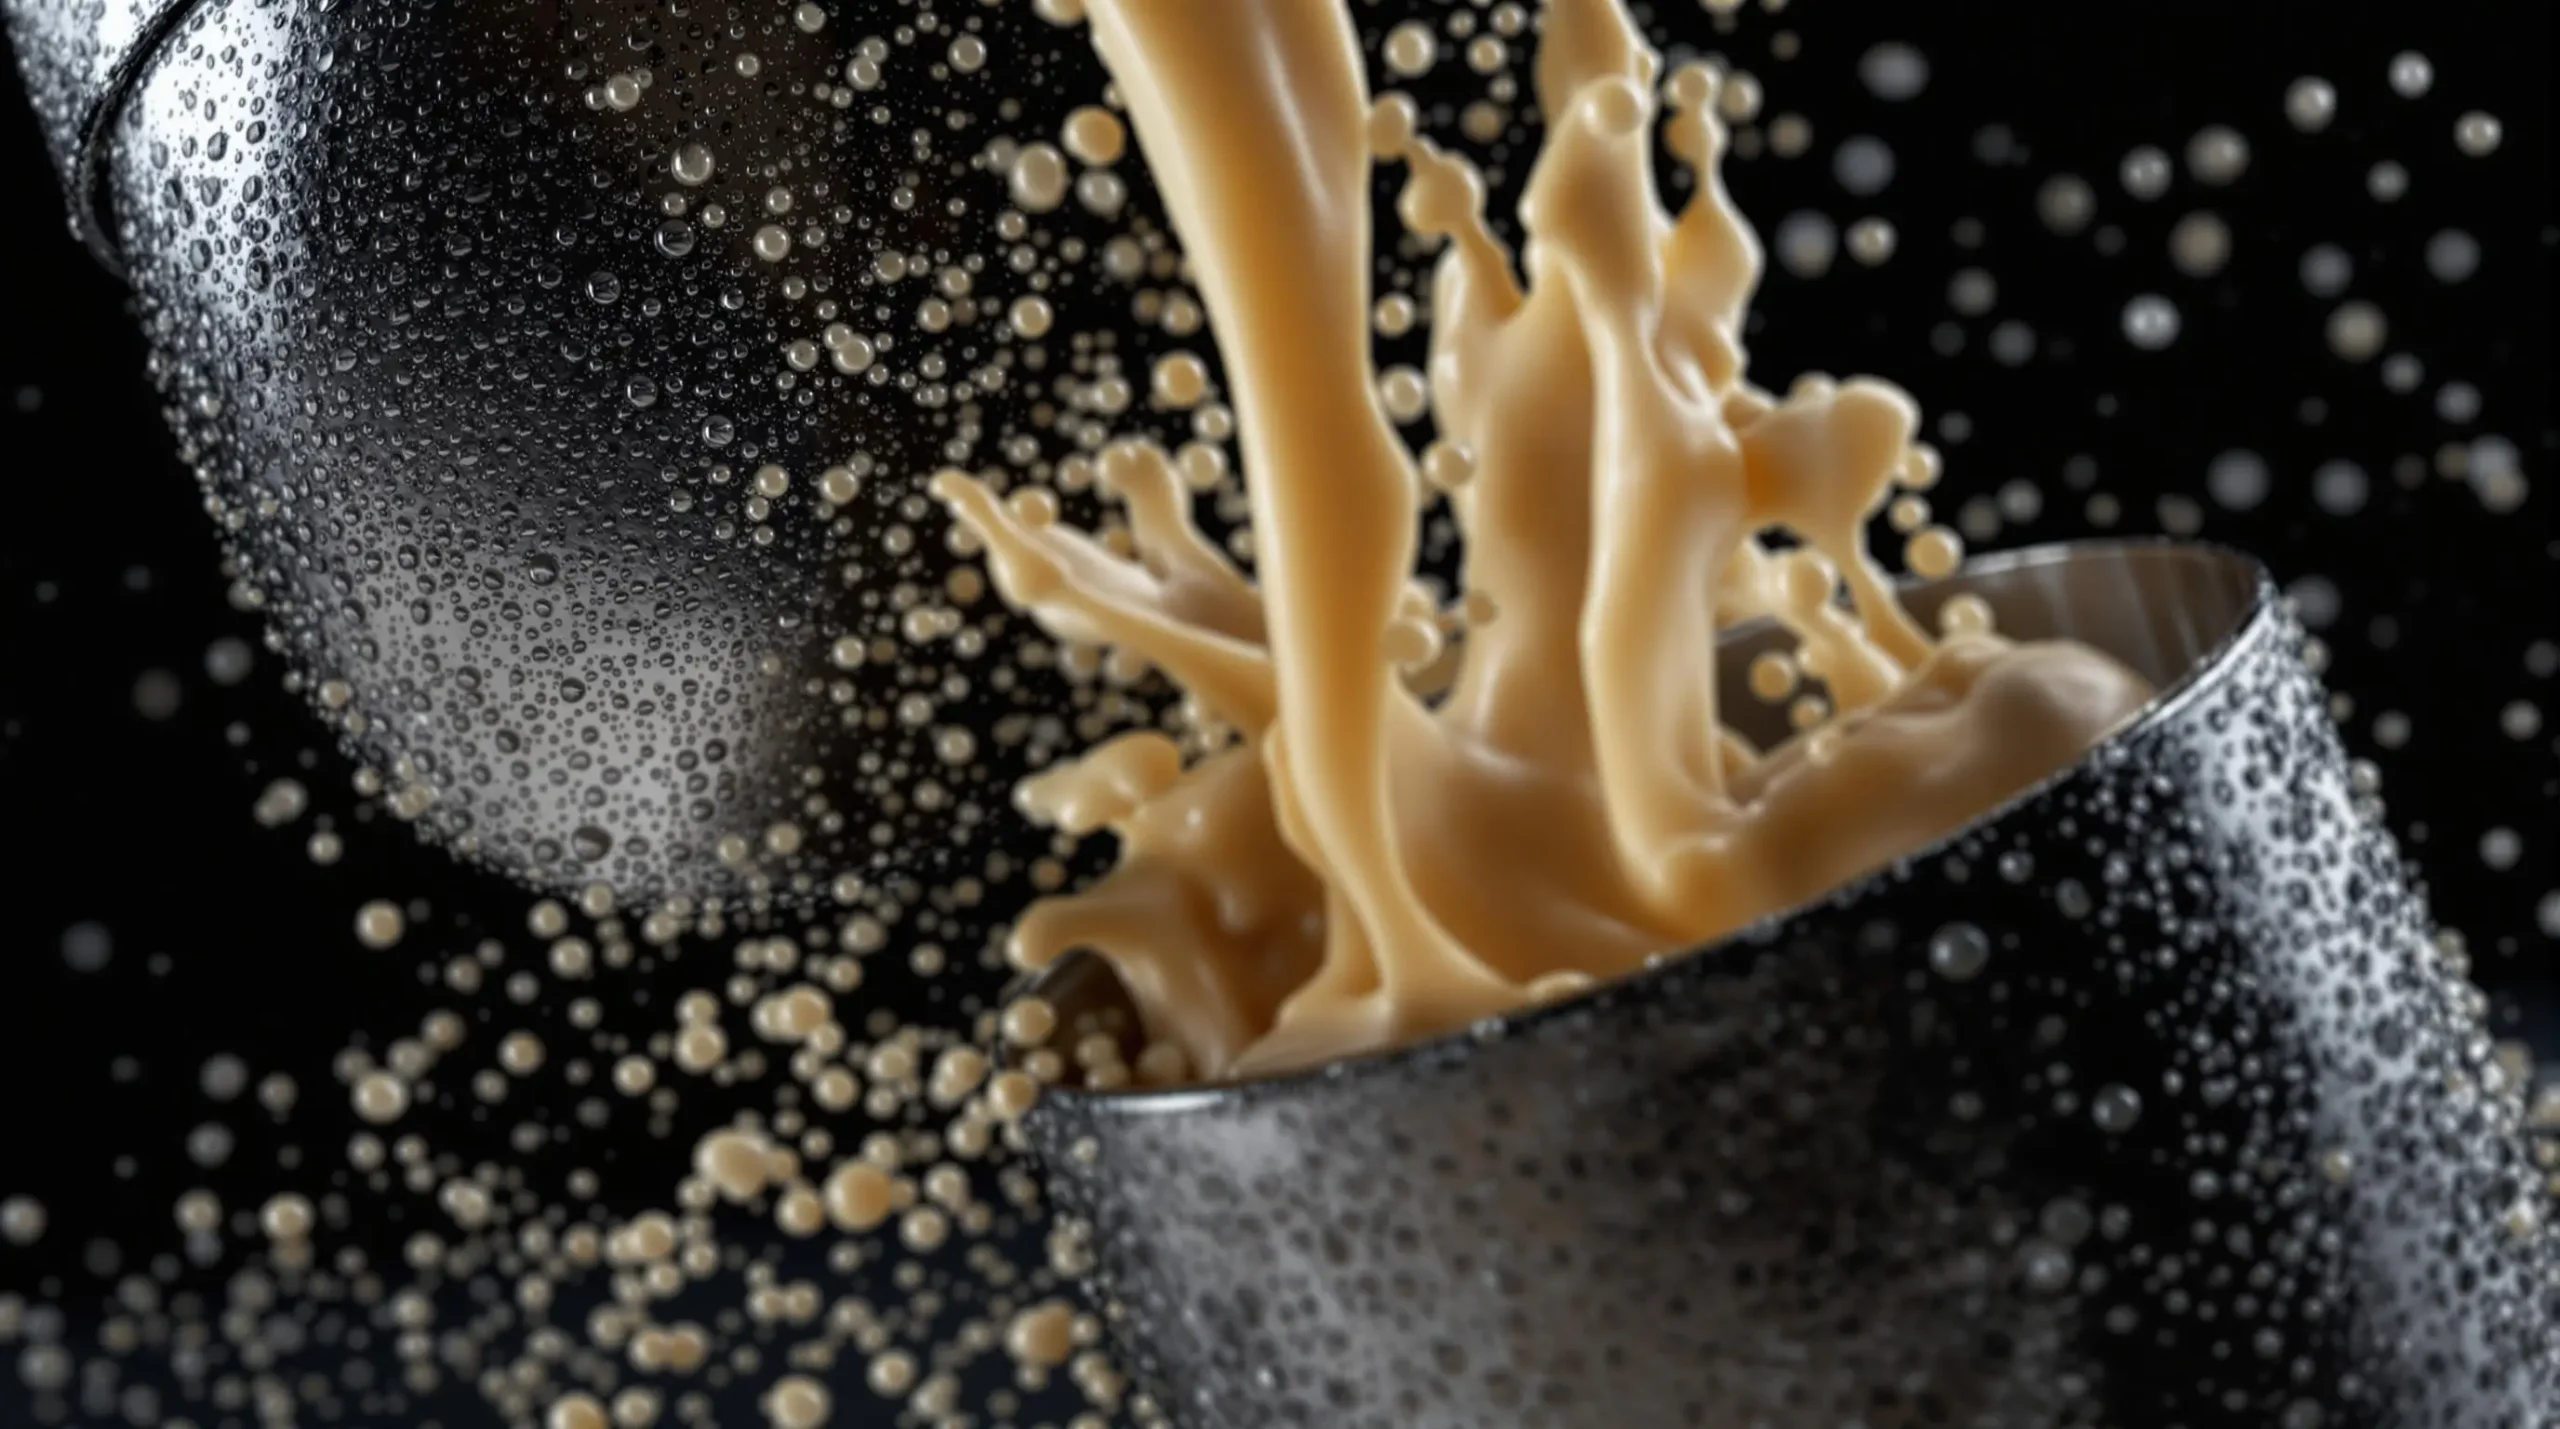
(2146,1102)
(471,319)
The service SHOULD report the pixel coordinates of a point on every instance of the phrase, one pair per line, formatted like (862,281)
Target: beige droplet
(1029,1022)
(1773,676)
(1411,49)
(1094,135)
(700,1048)
(798,1402)
(738,1164)
(1039,178)
(1180,381)
(860,1196)
(286,1217)
(381,1098)
(1933,552)
(800,1212)
(1031,317)
(380,924)
(1043,1336)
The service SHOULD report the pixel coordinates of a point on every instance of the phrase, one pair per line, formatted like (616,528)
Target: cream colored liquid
(1360,867)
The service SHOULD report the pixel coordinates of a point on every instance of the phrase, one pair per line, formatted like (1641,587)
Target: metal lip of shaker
(81,60)
(2147,1100)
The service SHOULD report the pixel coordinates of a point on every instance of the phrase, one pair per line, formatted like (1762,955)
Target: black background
(227,938)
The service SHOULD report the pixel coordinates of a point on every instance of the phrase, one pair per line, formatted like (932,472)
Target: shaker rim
(92,209)
(2168,702)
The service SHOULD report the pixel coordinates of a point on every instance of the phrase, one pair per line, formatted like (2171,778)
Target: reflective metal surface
(79,58)
(2147,1101)
(503,409)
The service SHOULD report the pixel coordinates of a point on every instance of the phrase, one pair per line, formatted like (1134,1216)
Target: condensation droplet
(2217,155)
(2116,1108)
(2326,270)
(2145,173)
(2357,331)
(1959,952)
(2066,203)
(2411,74)
(1806,242)
(1894,72)
(1863,165)
(87,947)
(692,165)
(2151,322)
(2452,255)
(2237,480)
(2310,103)
(1871,241)
(2478,134)
(2340,488)
(2200,245)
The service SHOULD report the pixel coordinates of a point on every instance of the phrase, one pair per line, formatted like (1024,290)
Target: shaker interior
(2162,608)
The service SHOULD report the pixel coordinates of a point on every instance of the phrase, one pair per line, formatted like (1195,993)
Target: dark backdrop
(140,718)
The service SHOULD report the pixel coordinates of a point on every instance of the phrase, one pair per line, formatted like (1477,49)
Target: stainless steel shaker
(470,316)
(2147,1102)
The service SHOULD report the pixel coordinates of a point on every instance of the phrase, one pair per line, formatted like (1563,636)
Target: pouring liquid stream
(1420,812)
